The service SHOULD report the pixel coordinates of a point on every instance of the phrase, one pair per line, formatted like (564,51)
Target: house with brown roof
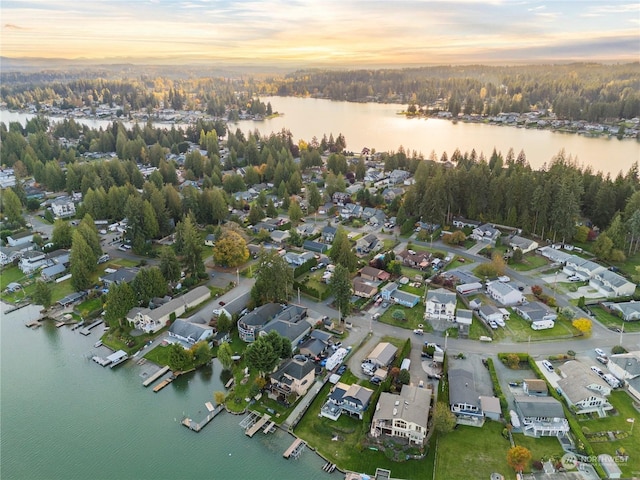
(294,376)
(405,415)
(364,289)
(374,274)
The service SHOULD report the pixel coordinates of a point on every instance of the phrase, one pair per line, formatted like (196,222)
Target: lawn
(543,447)
(478,330)
(89,306)
(413,317)
(520,329)
(471,449)
(9,275)
(609,320)
(529,262)
(624,409)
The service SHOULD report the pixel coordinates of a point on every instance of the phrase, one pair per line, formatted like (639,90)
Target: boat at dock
(117,358)
(97,344)
(253,429)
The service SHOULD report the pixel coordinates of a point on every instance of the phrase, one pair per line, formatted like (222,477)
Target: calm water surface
(64,417)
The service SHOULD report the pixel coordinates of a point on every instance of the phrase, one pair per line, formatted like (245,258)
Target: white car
(597,371)
(493,324)
(547,364)
(600,352)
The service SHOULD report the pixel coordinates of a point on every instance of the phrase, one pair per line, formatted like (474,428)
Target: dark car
(221,303)
(342,369)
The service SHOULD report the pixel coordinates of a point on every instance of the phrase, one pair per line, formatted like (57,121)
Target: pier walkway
(155,376)
(295,449)
(197,426)
(87,330)
(253,429)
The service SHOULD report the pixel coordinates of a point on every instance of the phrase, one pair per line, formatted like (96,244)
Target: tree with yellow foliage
(583,324)
(230,250)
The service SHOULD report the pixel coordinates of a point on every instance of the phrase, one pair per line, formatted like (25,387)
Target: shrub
(618,349)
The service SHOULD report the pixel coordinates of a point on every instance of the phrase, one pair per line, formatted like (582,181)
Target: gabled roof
(314,346)
(539,406)
(261,315)
(187,329)
(296,369)
(462,387)
(321,335)
(412,405)
(578,377)
(630,362)
(441,296)
(287,329)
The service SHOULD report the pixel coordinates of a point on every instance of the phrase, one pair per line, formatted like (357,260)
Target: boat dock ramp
(112,360)
(271,427)
(87,330)
(33,324)
(257,425)
(197,426)
(163,384)
(329,467)
(155,376)
(295,449)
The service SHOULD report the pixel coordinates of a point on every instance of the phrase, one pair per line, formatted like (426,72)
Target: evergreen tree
(120,299)
(340,285)
(272,266)
(42,294)
(169,264)
(342,252)
(82,262)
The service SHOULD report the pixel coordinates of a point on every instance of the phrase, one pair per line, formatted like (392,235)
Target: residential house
(51,273)
(467,288)
(368,244)
(267,226)
(413,259)
(535,387)
(390,292)
(306,229)
(8,255)
(504,293)
(628,311)
(290,323)
(122,275)
(398,176)
(328,234)
(541,416)
(555,255)
(404,416)
(150,321)
(611,284)
(190,333)
(373,274)
(525,245)
(350,399)
(536,312)
(252,322)
(460,222)
(341,198)
(364,289)
(293,377)
(626,367)
(210,240)
(441,305)
(578,266)
(464,319)
(312,347)
(392,192)
(32,261)
(583,389)
(383,354)
(280,236)
(464,400)
(490,313)
(485,233)
(63,207)
(298,259)
(316,247)
(19,239)
(490,406)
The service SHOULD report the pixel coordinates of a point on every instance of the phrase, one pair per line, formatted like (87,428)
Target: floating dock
(271,427)
(197,426)
(34,324)
(103,362)
(59,324)
(87,330)
(253,429)
(163,384)
(155,376)
(295,449)
(117,358)
(329,467)
(229,383)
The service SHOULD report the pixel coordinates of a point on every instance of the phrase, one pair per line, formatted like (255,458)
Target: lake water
(379,126)
(64,417)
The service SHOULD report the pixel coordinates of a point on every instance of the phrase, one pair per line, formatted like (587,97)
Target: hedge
(497,390)
(312,292)
(305,267)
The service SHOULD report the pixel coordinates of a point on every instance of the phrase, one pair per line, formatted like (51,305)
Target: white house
(611,284)
(583,389)
(32,261)
(536,312)
(629,311)
(350,399)
(490,313)
(524,244)
(63,207)
(405,415)
(578,266)
(441,305)
(485,233)
(19,239)
(626,367)
(190,333)
(504,293)
(541,416)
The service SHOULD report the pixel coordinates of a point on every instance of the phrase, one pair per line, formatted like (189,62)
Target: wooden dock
(163,384)
(34,324)
(295,449)
(269,428)
(155,376)
(253,429)
(197,426)
(87,330)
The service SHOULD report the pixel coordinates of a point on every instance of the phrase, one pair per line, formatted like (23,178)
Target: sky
(323,32)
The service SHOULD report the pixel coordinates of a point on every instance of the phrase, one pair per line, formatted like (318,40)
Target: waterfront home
(8,255)
(190,333)
(50,273)
(628,311)
(290,323)
(441,305)
(504,293)
(541,416)
(583,390)
(383,354)
(32,261)
(122,275)
(464,399)
(252,322)
(150,321)
(490,406)
(293,377)
(350,399)
(404,416)
(312,347)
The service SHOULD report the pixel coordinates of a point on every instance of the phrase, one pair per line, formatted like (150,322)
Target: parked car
(341,370)
(600,352)
(597,371)
(418,331)
(547,364)
(375,380)
(493,325)
(602,360)
(385,304)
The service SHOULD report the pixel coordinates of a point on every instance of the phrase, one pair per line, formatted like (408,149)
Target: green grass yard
(529,262)
(609,320)
(520,329)
(414,317)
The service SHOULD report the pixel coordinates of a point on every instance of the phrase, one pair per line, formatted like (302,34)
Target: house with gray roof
(122,275)
(525,245)
(611,284)
(328,234)
(628,311)
(504,293)
(17,239)
(541,416)
(404,416)
(554,254)
(190,333)
(464,399)
(350,399)
(297,259)
(252,322)
(312,347)
(580,267)
(583,389)
(490,313)
(536,312)
(314,246)
(294,376)
(626,367)
(441,305)
(485,233)
(50,273)
(32,261)
(383,354)
(289,323)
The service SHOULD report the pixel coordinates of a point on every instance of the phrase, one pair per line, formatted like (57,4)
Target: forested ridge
(579,91)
